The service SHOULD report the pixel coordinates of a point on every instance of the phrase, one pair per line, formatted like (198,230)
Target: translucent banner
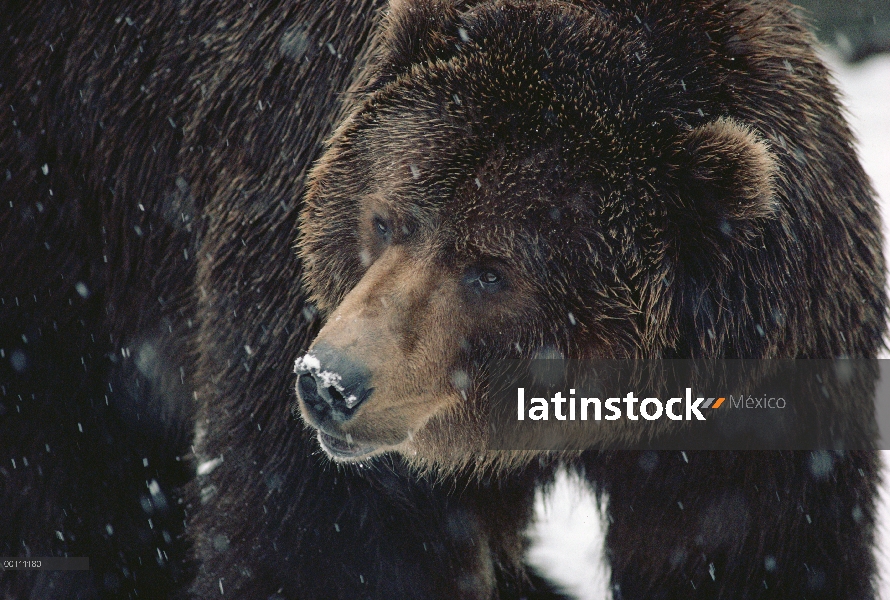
(556,405)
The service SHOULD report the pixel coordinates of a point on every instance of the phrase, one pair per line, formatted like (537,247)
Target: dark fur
(739,201)
(216,174)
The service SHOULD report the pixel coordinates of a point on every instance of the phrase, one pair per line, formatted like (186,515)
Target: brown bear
(607,179)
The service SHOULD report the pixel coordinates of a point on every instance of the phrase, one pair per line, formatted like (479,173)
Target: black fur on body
(175,145)
(160,273)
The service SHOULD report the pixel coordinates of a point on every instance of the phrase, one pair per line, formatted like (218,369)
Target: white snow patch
(567,539)
(306,362)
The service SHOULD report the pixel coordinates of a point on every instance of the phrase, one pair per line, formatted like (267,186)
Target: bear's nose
(331,384)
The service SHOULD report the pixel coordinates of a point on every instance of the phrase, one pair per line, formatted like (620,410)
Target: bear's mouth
(340,449)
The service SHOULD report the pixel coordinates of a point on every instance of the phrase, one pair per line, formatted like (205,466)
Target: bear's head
(512,179)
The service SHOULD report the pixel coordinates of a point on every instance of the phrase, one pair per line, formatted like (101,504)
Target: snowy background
(569,534)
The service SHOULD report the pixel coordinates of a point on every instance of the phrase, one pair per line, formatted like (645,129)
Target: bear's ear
(413,32)
(726,178)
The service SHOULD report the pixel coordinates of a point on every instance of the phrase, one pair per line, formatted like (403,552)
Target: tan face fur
(424,298)
(400,321)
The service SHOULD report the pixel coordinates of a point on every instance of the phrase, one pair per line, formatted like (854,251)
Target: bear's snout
(331,384)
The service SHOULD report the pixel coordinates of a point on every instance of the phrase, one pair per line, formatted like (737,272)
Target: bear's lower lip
(341,449)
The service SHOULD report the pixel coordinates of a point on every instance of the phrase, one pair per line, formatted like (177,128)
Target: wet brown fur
(663,218)
(651,180)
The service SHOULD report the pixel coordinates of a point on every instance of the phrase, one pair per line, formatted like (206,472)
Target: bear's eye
(489,278)
(484,280)
(381,227)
